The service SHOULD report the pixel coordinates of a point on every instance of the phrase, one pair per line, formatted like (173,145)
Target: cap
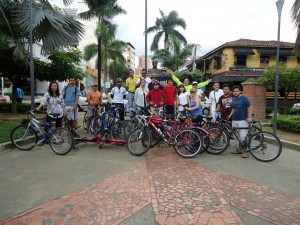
(193,90)
(155,83)
(95,85)
(163,69)
(119,80)
(154,75)
(195,82)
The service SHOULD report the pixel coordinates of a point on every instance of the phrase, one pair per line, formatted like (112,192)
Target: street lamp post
(31,65)
(146,45)
(279,4)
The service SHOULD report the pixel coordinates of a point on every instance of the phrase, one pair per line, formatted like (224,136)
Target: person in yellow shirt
(130,85)
(186,82)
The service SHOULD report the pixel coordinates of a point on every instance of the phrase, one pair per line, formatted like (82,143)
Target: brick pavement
(179,190)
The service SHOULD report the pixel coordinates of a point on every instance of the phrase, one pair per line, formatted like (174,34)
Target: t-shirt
(94,96)
(54,104)
(226,105)
(70,93)
(163,80)
(147,79)
(19,93)
(118,94)
(170,92)
(240,106)
(130,83)
(214,98)
(183,101)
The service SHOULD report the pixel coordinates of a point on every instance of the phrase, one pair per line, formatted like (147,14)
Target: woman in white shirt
(140,96)
(183,98)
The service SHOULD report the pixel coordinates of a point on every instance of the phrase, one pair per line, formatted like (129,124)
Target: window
(217,62)
(283,59)
(264,61)
(240,60)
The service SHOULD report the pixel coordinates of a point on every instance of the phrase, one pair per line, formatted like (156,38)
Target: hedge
(21,107)
(290,123)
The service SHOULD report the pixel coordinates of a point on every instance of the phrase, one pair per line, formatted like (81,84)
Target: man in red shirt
(171,96)
(225,102)
(156,98)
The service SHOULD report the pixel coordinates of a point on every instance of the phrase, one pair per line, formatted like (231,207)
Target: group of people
(157,93)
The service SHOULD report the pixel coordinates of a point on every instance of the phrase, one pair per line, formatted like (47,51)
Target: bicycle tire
(139,141)
(188,143)
(265,146)
(23,138)
(258,124)
(219,141)
(118,131)
(254,129)
(204,135)
(84,121)
(61,141)
(156,138)
(96,125)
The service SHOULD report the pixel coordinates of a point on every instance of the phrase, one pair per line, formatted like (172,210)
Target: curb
(6,146)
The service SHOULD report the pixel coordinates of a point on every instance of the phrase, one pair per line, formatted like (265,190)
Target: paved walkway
(179,190)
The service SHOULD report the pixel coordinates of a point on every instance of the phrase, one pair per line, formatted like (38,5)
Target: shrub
(290,123)
(21,107)
(295,112)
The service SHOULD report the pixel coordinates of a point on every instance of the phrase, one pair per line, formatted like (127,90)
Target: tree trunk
(286,94)
(14,100)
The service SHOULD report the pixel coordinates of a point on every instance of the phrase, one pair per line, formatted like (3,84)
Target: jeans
(241,133)
(130,97)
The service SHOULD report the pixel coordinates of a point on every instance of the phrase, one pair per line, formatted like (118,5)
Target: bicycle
(186,142)
(25,137)
(263,146)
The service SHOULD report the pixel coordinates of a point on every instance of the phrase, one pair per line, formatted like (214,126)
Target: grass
(6,128)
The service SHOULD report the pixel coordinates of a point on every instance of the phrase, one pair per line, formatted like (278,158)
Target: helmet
(119,80)
(163,69)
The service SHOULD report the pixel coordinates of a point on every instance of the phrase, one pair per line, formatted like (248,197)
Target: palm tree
(175,57)
(166,25)
(296,19)
(104,11)
(111,48)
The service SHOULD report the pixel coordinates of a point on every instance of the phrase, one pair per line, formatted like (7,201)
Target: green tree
(166,26)
(112,48)
(196,75)
(104,11)
(295,13)
(289,80)
(175,56)
(118,70)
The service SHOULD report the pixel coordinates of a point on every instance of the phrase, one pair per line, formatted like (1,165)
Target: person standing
(214,98)
(156,98)
(130,86)
(140,96)
(153,79)
(171,97)
(55,104)
(225,102)
(200,93)
(195,106)
(186,82)
(118,94)
(163,78)
(20,95)
(143,77)
(241,117)
(71,95)
(182,99)
(94,99)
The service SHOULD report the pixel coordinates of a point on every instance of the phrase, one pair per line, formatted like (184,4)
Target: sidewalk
(167,189)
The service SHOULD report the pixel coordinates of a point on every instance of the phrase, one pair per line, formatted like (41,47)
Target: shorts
(58,121)
(90,111)
(71,115)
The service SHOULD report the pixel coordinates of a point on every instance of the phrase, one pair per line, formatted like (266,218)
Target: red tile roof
(255,43)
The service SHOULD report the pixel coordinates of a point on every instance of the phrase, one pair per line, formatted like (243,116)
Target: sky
(209,23)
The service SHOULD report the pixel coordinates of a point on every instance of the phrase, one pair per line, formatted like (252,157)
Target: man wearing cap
(94,99)
(186,82)
(163,78)
(153,79)
(130,85)
(156,98)
(118,94)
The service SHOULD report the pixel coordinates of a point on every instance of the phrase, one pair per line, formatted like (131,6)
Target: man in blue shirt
(71,95)
(241,117)
(163,78)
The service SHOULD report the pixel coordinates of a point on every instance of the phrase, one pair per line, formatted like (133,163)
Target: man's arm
(200,85)
(250,112)
(175,79)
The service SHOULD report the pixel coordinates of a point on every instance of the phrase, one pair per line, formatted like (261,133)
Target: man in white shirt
(214,98)
(143,77)
(118,94)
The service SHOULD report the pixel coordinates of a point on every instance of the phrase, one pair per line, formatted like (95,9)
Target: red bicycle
(186,142)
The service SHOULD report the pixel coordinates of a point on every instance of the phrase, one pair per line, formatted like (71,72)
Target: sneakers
(237,151)
(246,154)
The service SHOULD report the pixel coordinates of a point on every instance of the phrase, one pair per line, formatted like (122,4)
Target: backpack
(65,90)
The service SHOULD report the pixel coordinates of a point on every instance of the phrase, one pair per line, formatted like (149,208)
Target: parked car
(205,106)
(82,103)
(4,98)
(296,106)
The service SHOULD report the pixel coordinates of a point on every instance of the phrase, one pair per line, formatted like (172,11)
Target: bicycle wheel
(156,138)
(23,137)
(265,146)
(254,129)
(61,141)
(219,141)
(188,143)
(84,122)
(118,131)
(258,124)
(139,141)
(96,125)
(206,141)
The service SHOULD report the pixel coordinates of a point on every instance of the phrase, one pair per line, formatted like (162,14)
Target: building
(237,61)
(141,64)
(129,55)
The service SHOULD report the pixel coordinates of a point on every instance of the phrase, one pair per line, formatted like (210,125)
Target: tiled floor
(179,190)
